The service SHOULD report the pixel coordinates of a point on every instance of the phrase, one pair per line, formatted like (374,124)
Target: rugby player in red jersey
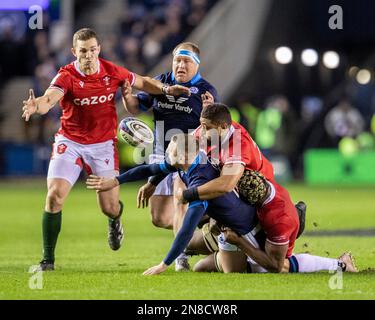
(87,137)
(235,151)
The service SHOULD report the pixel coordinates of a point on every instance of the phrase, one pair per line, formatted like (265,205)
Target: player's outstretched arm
(134,174)
(272,259)
(40,105)
(154,86)
(229,177)
(193,215)
(130,101)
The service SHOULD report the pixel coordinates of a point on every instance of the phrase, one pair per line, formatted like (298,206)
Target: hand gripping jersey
(88,106)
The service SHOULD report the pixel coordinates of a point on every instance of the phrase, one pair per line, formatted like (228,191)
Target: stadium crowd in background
(147,31)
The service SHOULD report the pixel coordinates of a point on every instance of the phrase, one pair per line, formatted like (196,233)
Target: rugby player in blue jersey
(194,169)
(172,115)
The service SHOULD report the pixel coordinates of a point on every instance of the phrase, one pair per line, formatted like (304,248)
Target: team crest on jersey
(106,161)
(61,148)
(173,99)
(106,80)
(81,83)
(194,90)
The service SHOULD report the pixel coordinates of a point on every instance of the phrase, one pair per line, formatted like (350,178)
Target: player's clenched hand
(231,236)
(29,106)
(101,184)
(126,89)
(144,194)
(207,99)
(161,267)
(178,90)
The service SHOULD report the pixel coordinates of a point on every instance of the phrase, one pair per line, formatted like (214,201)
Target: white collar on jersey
(76,66)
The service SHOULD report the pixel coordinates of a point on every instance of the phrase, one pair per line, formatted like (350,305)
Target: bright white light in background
(331,59)
(309,57)
(283,55)
(363,76)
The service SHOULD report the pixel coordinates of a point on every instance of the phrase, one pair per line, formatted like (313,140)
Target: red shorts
(279,219)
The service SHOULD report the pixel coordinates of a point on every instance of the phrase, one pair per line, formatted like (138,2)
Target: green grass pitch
(88,269)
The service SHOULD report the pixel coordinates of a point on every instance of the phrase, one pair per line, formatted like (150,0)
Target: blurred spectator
(275,128)
(310,109)
(343,121)
(248,114)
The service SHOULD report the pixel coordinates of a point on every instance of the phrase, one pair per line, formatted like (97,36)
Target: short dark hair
(217,113)
(194,47)
(84,34)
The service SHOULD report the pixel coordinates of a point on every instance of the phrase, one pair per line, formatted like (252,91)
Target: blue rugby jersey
(180,112)
(228,210)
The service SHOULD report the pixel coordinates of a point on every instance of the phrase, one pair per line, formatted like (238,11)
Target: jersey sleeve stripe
(57,88)
(133,79)
(198,203)
(163,168)
(234,161)
(277,243)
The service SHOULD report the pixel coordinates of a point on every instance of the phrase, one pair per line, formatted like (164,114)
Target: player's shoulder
(109,66)
(243,131)
(67,70)
(207,86)
(64,75)
(166,77)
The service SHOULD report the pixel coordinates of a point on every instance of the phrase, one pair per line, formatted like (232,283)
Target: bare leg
(232,261)
(162,211)
(206,264)
(109,202)
(58,190)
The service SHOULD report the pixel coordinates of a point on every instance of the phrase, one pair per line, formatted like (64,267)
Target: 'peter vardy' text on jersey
(171,113)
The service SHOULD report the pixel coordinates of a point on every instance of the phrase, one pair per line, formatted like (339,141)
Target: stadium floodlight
(283,55)
(331,59)
(309,57)
(363,76)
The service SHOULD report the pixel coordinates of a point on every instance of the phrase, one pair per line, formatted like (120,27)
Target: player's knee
(55,199)
(158,220)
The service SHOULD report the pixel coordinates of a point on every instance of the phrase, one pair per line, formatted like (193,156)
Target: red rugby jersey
(88,106)
(239,147)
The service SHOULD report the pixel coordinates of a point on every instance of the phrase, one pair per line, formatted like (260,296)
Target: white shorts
(69,158)
(165,187)
(250,237)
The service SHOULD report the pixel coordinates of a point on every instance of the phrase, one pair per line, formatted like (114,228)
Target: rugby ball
(135,132)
